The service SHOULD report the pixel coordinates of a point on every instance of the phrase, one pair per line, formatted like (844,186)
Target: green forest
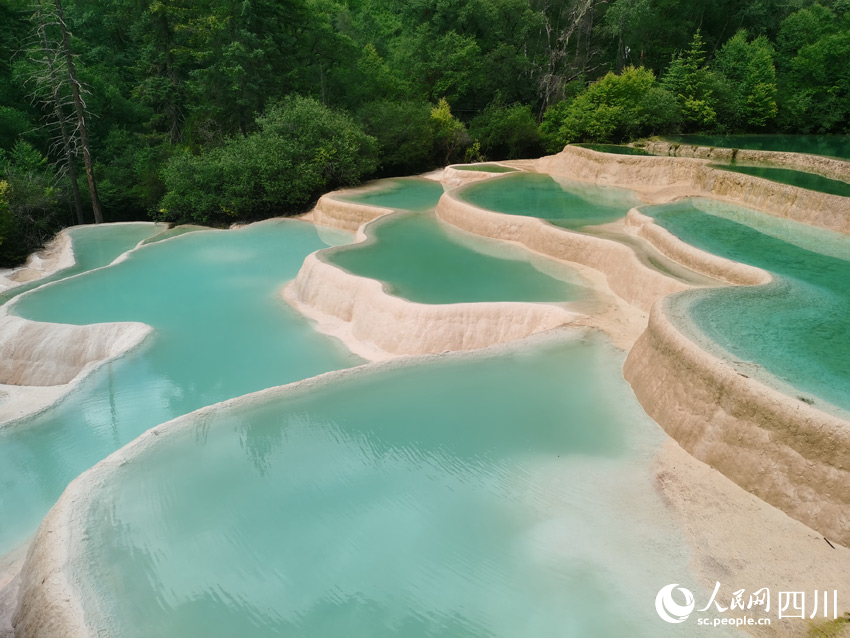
(216,111)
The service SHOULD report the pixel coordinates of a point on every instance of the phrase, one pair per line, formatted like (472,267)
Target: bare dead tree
(51,78)
(80,109)
(567,27)
(59,93)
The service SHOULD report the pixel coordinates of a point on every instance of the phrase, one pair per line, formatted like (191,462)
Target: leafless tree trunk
(80,108)
(565,25)
(55,98)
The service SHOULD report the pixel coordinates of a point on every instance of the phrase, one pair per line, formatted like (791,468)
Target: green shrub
(404,134)
(506,132)
(300,150)
(450,134)
(30,210)
(617,108)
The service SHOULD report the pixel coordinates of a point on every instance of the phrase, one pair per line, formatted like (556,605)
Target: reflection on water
(94,246)
(484,496)
(221,330)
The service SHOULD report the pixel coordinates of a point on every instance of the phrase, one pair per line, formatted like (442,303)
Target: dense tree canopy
(192,104)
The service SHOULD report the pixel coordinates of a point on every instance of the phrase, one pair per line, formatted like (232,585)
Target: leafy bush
(693,85)
(748,68)
(450,135)
(617,108)
(300,150)
(29,204)
(506,132)
(404,133)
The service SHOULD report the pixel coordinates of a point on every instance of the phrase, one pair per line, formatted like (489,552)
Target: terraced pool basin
(94,246)
(221,330)
(400,193)
(561,202)
(496,496)
(793,333)
(423,259)
(801,179)
(830,145)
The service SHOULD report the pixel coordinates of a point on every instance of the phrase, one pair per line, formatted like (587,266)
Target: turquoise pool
(562,202)
(425,260)
(793,332)
(616,149)
(94,246)
(830,145)
(800,179)
(400,193)
(221,330)
(466,496)
(484,168)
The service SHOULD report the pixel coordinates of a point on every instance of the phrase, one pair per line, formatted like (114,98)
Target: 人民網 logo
(669,609)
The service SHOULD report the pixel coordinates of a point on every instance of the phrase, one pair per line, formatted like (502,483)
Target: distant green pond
(402,193)
(424,260)
(485,168)
(560,201)
(791,177)
(830,145)
(614,148)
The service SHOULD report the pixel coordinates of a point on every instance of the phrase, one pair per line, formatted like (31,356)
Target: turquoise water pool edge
(537,553)
(91,252)
(420,258)
(791,333)
(191,290)
(395,193)
(790,177)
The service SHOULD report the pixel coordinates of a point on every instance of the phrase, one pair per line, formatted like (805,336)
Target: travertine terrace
(790,454)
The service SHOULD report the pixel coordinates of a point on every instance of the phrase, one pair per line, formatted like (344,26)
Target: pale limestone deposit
(330,211)
(740,541)
(55,256)
(697,260)
(781,449)
(627,276)
(458,177)
(36,353)
(378,325)
(39,362)
(662,179)
(49,603)
(830,167)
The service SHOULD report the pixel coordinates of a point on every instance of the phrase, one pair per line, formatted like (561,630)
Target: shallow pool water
(175,231)
(423,259)
(794,331)
(484,168)
(221,330)
(800,179)
(94,246)
(400,193)
(831,145)
(481,496)
(560,201)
